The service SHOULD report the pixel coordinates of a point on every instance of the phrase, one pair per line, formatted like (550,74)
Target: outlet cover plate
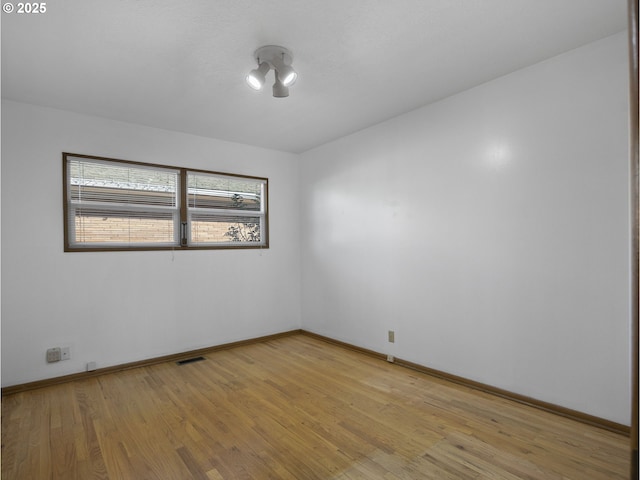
(53,355)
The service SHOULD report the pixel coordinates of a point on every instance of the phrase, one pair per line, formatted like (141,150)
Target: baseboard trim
(522,399)
(24,387)
(516,397)
(346,345)
(532,402)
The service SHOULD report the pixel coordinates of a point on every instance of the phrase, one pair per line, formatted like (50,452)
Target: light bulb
(256,78)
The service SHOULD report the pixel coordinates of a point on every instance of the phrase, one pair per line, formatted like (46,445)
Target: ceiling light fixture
(279,59)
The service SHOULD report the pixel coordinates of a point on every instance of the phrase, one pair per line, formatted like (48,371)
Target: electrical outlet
(91,366)
(65,353)
(53,355)
(392,336)
(390,358)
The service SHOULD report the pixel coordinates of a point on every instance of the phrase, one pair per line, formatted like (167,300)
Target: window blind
(226,209)
(121,204)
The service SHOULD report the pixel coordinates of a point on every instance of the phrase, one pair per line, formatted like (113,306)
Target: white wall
(489,230)
(118,307)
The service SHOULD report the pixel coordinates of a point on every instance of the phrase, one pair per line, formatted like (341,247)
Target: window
(122,205)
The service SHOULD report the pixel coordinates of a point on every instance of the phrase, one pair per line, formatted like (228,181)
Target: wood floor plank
(294,407)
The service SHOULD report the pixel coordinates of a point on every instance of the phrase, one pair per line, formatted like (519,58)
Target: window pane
(113,203)
(213,191)
(224,228)
(94,181)
(123,227)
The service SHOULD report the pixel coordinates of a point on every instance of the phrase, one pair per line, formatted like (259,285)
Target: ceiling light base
(269,52)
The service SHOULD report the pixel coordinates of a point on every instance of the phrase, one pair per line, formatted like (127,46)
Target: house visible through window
(122,205)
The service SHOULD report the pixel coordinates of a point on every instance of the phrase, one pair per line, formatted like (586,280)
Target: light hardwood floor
(292,408)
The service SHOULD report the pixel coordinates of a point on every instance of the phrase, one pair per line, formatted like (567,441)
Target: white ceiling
(180,65)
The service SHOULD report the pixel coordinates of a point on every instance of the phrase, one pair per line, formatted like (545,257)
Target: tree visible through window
(122,205)
(243,231)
